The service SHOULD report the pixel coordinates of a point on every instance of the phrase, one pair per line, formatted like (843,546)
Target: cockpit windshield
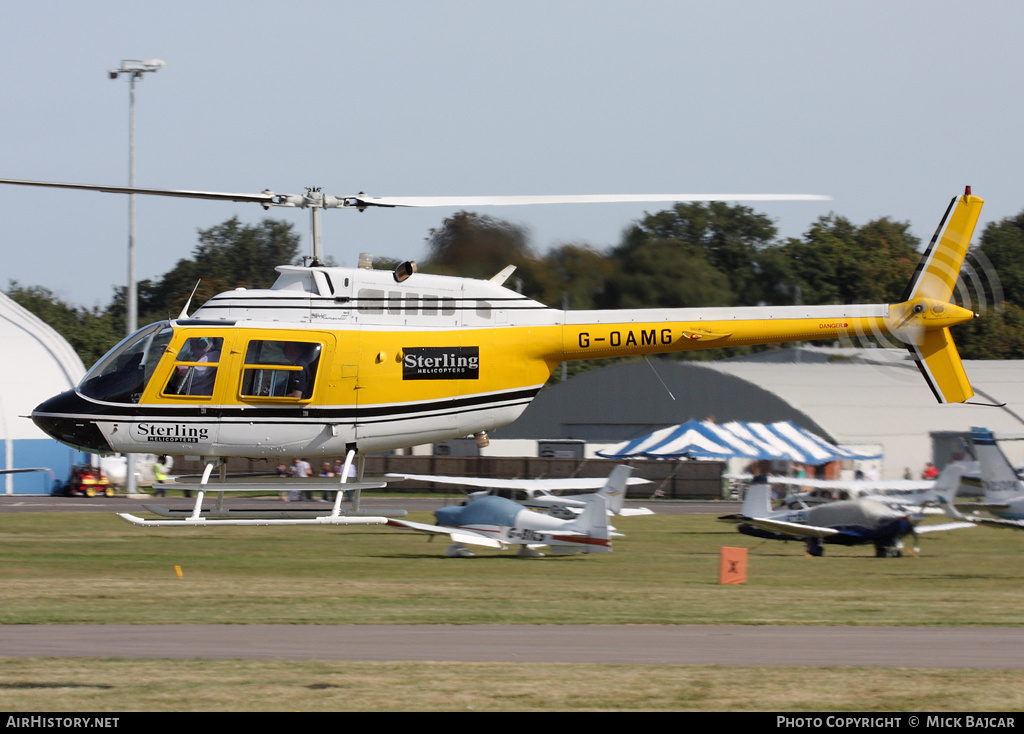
(121,376)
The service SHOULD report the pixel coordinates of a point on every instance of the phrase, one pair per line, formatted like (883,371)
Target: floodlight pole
(134,70)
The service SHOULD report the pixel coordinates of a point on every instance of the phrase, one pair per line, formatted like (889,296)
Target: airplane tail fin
(946,496)
(758,502)
(592,523)
(998,477)
(614,490)
(927,299)
(946,485)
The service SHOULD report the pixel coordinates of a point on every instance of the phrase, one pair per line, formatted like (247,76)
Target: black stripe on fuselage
(307,413)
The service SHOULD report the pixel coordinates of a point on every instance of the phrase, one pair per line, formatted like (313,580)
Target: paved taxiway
(890,647)
(897,647)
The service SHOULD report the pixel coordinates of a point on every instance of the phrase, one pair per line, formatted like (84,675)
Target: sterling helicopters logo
(172,433)
(441,363)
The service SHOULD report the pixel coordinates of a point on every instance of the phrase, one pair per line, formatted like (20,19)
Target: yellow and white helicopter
(334,361)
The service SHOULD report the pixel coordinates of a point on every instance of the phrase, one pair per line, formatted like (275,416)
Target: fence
(673,479)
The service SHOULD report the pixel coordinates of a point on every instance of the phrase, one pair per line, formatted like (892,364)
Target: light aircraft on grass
(1003,491)
(910,494)
(844,522)
(497,522)
(540,494)
(336,361)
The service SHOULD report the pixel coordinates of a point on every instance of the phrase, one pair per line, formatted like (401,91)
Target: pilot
(202,378)
(298,380)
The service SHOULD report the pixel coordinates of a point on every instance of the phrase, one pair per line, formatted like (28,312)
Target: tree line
(690,255)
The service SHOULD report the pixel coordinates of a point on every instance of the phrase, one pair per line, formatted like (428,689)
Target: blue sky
(889,107)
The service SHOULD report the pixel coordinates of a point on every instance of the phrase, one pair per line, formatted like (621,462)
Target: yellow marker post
(177,570)
(732,566)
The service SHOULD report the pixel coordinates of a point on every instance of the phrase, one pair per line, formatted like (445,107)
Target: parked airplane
(948,504)
(912,494)
(497,522)
(844,522)
(1003,491)
(539,494)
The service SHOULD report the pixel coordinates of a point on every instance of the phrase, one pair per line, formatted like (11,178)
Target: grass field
(81,568)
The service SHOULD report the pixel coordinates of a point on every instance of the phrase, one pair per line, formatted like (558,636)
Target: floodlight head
(136,68)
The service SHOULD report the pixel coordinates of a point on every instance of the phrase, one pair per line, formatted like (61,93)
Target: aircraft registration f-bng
(348,361)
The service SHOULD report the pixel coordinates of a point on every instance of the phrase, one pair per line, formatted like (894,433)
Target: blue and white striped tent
(783,441)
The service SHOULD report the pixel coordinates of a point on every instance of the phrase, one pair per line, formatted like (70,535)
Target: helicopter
(335,361)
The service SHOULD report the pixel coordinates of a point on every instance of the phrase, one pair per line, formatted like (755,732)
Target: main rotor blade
(314,198)
(266,198)
(425,201)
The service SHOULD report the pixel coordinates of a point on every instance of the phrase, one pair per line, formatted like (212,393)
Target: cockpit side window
(121,376)
(195,369)
(280,369)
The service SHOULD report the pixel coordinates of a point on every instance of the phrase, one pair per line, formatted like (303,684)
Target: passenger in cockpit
(298,380)
(196,379)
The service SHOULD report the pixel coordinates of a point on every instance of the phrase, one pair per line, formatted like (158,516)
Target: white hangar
(36,363)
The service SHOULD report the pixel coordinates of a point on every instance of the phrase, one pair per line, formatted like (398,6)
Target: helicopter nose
(67,418)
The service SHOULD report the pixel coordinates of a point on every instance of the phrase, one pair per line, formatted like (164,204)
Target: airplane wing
(942,527)
(950,509)
(487,483)
(872,485)
(790,528)
(458,535)
(995,522)
(987,506)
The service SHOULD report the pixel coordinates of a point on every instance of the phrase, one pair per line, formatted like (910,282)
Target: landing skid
(268,513)
(220,515)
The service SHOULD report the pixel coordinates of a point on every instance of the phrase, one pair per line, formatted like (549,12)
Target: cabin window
(394,303)
(123,373)
(430,305)
(447,306)
(412,304)
(483,309)
(371,300)
(195,368)
(280,369)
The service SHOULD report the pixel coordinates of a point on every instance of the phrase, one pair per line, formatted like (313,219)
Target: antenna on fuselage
(184,309)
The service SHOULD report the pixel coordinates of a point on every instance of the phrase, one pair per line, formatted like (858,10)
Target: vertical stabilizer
(937,273)
(946,486)
(939,361)
(998,477)
(593,523)
(925,311)
(614,490)
(758,502)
